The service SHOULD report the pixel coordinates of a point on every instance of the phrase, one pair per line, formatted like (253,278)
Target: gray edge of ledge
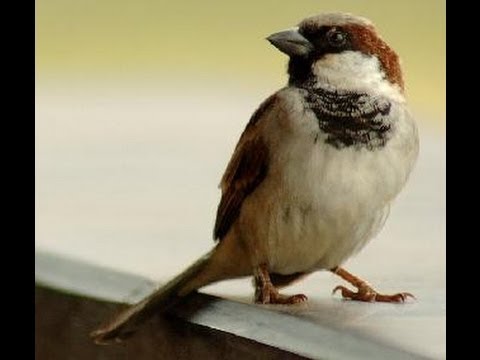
(280,330)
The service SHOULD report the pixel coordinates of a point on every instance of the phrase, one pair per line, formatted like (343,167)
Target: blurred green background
(120,41)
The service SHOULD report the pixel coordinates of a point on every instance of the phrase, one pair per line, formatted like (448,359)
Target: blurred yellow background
(120,42)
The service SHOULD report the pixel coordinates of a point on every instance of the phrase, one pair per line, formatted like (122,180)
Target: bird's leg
(364,291)
(266,293)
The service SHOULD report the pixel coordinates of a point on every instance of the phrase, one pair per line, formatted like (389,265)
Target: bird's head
(339,49)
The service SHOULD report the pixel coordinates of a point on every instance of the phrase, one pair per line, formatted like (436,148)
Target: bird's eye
(336,38)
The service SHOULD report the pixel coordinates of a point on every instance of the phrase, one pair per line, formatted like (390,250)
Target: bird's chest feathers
(348,119)
(339,182)
(340,151)
(327,197)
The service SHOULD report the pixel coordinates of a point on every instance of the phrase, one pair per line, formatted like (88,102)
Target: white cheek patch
(347,67)
(352,70)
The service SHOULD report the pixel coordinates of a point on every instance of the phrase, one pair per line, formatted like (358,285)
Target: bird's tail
(125,323)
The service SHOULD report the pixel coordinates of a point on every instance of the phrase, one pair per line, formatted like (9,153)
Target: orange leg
(266,293)
(364,291)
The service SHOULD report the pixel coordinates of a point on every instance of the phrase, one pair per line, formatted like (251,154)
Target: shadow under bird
(313,175)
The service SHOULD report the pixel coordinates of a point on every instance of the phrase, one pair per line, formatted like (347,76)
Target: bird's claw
(367,294)
(296,299)
(270,295)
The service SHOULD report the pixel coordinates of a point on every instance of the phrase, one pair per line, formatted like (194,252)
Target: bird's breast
(327,201)
(347,118)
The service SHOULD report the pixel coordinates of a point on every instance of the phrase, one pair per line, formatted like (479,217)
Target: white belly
(328,208)
(321,244)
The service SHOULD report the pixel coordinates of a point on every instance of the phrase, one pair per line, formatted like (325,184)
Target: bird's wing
(246,170)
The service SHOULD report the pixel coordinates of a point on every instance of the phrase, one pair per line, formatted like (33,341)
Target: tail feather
(125,323)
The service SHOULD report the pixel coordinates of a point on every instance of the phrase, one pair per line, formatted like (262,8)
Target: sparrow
(313,175)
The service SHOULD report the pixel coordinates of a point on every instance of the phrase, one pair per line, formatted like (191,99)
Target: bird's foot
(364,291)
(268,294)
(367,294)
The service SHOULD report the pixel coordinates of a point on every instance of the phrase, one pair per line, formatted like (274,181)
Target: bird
(313,175)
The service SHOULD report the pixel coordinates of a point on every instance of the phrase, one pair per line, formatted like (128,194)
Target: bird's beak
(291,42)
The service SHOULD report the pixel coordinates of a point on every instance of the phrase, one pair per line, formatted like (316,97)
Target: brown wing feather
(246,170)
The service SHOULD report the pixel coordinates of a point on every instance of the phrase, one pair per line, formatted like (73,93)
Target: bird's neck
(348,71)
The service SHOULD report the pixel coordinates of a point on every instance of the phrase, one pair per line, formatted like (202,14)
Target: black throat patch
(350,118)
